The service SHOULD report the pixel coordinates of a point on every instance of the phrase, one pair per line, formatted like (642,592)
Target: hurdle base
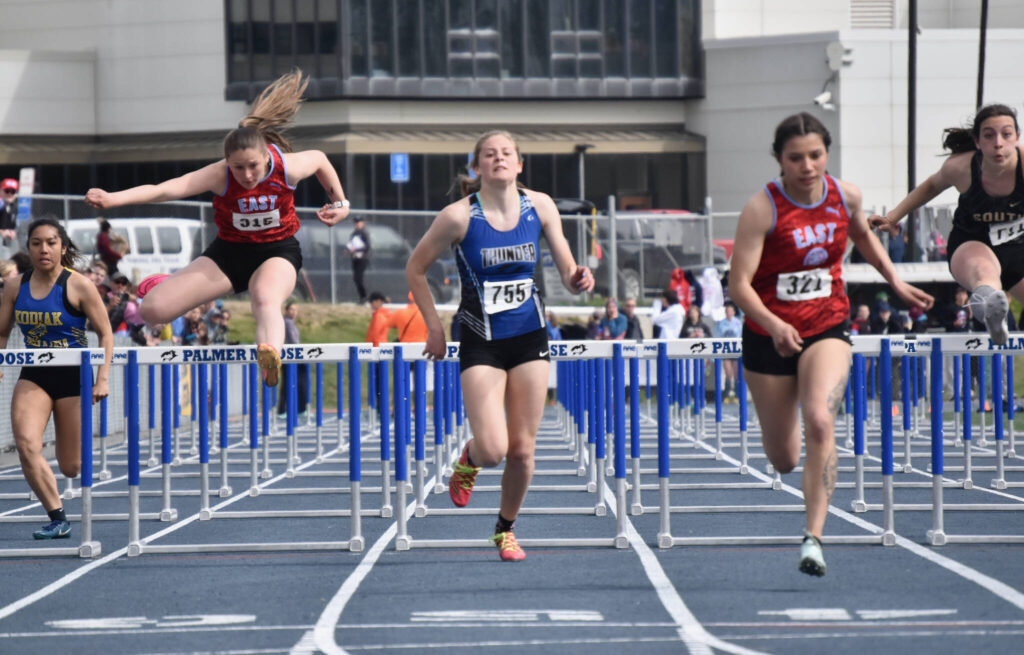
(936,537)
(403,543)
(665,540)
(621,542)
(967,483)
(859,506)
(254,491)
(103,475)
(90,549)
(997,483)
(636,509)
(135,549)
(152,461)
(225,492)
(205,514)
(266,474)
(168,515)
(386,512)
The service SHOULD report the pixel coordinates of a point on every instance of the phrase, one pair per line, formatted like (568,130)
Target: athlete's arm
(449,227)
(873,251)
(82,293)
(955,171)
(301,165)
(575,278)
(210,178)
(754,224)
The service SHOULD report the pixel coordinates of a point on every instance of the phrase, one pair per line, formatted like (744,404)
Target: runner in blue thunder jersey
(499,296)
(51,304)
(503,352)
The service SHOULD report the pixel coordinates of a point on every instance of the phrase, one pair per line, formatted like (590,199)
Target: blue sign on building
(399,167)
(24,208)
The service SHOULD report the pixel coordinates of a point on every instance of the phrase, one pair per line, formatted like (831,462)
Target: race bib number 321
(804,285)
(505,295)
(255,222)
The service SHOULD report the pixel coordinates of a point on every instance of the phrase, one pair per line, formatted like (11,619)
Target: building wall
(754,83)
(41,89)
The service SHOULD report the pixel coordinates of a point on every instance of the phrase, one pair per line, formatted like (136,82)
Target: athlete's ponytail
(271,113)
(964,139)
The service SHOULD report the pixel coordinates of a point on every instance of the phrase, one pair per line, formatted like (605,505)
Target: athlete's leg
(821,372)
(974,264)
(524,407)
(1017,291)
(483,395)
(30,412)
(775,399)
(201,281)
(67,423)
(269,287)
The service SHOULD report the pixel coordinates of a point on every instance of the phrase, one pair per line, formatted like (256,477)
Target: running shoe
(148,283)
(460,485)
(508,547)
(55,530)
(991,306)
(812,561)
(270,364)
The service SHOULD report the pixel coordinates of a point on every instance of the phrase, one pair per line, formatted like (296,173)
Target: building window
(467,48)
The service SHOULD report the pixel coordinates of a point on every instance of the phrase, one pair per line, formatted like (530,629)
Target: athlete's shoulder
(851,192)
(540,199)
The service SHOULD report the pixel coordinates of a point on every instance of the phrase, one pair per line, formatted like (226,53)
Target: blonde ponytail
(271,114)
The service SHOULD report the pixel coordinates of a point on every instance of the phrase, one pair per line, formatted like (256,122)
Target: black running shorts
(760,356)
(505,354)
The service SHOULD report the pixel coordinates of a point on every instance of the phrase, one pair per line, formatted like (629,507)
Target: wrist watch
(339,204)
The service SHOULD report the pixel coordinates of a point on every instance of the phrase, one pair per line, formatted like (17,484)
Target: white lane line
(478,645)
(997,587)
(698,640)
(66,580)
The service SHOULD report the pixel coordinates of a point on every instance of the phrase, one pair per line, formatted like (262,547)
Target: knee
(71,469)
(486,455)
(151,314)
(28,450)
(784,463)
(818,428)
(522,456)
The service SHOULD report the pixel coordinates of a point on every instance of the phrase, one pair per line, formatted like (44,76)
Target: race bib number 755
(804,285)
(505,295)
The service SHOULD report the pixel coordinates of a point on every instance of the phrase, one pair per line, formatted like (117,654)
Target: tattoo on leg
(830,474)
(835,397)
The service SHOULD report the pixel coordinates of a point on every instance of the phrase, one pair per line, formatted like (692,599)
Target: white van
(156,245)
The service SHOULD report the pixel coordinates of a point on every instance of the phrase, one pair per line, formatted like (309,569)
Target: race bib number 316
(255,222)
(1001,233)
(804,285)
(505,295)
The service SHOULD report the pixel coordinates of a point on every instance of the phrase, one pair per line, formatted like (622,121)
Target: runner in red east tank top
(800,275)
(262,214)
(786,276)
(254,207)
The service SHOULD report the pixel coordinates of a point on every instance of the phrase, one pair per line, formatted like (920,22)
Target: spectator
(960,315)
(219,327)
(897,244)
(359,248)
(378,328)
(9,210)
(409,323)
(667,315)
(190,332)
(554,334)
(713,303)
(633,329)
(105,248)
(614,324)
(884,322)
(687,288)
(730,327)
(291,335)
(117,302)
(906,323)
(695,326)
(861,323)
(594,325)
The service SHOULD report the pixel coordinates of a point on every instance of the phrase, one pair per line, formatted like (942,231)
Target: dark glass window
(443,43)
(640,38)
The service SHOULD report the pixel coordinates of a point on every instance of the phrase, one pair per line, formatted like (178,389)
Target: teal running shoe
(55,530)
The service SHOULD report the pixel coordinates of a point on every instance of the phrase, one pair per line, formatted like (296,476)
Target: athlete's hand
(786,340)
(99,391)
(913,296)
(881,223)
(98,198)
(582,280)
(331,216)
(436,347)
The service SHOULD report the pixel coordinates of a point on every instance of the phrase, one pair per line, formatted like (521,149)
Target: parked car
(389,253)
(648,249)
(155,245)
